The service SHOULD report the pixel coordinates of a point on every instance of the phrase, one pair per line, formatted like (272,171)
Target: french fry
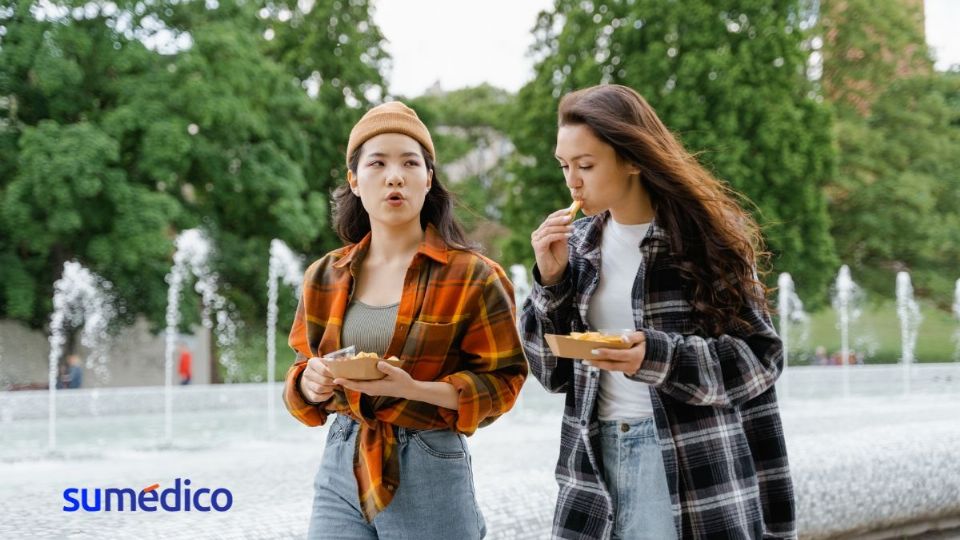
(595,336)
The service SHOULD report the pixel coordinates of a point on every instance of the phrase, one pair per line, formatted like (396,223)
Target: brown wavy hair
(715,243)
(352,222)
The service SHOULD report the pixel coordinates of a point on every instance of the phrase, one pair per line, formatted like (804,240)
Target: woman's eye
(586,167)
(413,163)
(564,167)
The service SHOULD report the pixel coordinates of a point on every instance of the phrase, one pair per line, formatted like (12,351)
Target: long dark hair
(352,222)
(717,245)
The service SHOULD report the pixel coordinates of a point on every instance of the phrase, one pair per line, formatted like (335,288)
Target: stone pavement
(271,482)
(857,463)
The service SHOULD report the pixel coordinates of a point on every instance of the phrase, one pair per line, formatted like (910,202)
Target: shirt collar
(433,246)
(588,243)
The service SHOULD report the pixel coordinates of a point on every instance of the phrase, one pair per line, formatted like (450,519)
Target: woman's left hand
(398,383)
(626,360)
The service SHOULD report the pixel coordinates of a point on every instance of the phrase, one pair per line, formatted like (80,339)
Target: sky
(467,42)
(943,31)
(458,42)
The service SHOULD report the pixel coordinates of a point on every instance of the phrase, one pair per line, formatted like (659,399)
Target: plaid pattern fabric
(713,397)
(456,323)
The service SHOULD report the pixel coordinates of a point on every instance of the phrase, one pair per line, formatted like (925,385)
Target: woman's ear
(430,180)
(352,181)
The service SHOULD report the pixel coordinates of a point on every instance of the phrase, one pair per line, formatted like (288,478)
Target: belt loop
(402,434)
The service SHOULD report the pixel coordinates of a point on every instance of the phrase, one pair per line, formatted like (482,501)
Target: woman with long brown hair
(679,435)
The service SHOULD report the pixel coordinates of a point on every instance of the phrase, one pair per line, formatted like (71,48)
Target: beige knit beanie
(391,117)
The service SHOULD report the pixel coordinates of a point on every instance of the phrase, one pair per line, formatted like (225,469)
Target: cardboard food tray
(359,369)
(567,347)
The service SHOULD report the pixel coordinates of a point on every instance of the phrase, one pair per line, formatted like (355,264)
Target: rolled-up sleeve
(548,310)
(307,413)
(720,371)
(494,368)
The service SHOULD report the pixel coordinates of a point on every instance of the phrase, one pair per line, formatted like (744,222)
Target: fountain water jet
(908,311)
(521,285)
(956,313)
(79,297)
(287,267)
(790,309)
(844,302)
(192,256)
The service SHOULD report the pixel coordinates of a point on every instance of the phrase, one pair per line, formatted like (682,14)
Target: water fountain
(844,302)
(287,267)
(909,441)
(956,313)
(521,285)
(192,257)
(4,410)
(908,311)
(790,309)
(79,297)
(3,379)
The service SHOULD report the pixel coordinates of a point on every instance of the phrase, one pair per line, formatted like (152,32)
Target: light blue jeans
(435,500)
(634,474)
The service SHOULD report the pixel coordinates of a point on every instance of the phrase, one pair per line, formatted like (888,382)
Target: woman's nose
(394,179)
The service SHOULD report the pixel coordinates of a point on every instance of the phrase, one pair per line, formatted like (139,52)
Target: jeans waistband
(348,425)
(639,427)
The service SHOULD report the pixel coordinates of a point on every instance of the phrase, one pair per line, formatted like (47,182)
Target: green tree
(64,191)
(234,119)
(728,77)
(896,201)
(468,127)
(866,44)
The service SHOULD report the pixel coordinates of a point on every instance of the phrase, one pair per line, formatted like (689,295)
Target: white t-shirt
(611,308)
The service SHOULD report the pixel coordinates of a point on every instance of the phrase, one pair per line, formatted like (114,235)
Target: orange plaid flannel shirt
(456,323)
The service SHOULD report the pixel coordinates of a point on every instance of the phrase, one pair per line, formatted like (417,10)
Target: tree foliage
(866,44)
(896,201)
(468,127)
(123,123)
(728,77)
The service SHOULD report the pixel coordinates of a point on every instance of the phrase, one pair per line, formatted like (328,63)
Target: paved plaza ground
(853,460)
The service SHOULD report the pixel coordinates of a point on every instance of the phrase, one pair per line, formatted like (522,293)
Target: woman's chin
(395,219)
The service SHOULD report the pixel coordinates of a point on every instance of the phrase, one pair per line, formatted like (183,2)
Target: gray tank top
(368,328)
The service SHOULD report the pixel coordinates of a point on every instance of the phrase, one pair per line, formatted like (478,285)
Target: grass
(877,331)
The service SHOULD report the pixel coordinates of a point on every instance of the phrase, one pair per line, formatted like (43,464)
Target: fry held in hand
(354,357)
(596,336)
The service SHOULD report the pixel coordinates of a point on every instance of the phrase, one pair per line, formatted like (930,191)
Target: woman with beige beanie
(406,284)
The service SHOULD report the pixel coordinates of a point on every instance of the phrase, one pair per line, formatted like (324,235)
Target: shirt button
(583,422)
(593,374)
(624,427)
(609,517)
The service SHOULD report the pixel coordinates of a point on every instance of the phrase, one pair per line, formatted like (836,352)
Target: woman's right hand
(550,246)
(316,383)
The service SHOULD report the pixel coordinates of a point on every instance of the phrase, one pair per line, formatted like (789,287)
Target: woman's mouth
(395,199)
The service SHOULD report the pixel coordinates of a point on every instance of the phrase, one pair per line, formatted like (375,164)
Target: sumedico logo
(178,498)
